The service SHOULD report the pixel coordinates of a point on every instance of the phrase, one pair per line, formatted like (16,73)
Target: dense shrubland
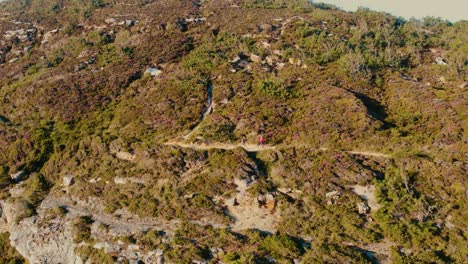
(350,81)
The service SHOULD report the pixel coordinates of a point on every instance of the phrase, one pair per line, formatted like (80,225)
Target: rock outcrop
(39,238)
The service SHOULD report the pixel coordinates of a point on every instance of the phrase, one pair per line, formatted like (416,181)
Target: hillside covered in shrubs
(129,133)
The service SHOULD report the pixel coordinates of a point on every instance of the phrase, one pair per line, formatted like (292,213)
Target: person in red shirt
(261,140)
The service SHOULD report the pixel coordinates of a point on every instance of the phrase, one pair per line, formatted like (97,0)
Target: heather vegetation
(343,100)
(9,254)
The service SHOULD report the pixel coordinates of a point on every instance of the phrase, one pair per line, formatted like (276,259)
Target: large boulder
(68,180)
(363,208)
(19,176)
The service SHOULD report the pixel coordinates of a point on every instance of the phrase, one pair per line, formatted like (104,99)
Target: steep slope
(129,131)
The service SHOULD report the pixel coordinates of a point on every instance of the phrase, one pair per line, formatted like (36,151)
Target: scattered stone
(270,201)
(190,196)
(153,72)
(80,66)
(195,20)
(280,66)
(133,247)
(270,60)
(155,256)
(110,20)
(266,28)
(406,251)
(449,224)
(266,201)
(265,44)
(294,61)
(48,35)
(463,85)
(118,180)
(107,247)
(236,59)
(68,180)
(440,61)
(130,23)
(94,180)
(363,208)
(19,176)
(255,58)
(239,63)
(332,197)
(217,252)
(91,60)
(125,156)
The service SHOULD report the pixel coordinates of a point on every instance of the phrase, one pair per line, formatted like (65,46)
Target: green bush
(9,255)
(332,253)
(276,88)
(95,255)
(108,55)
(282,246)
(82,229)
(200,60)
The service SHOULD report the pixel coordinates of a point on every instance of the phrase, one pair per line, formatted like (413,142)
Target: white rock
(270,60)
(19,176)
(110,20)
(295,61)
(255,58)
(442,80)
(68,180)
(94,180)
(280,66)
(125,156)
(42,243)
(133,247)
(440,61)
(118,180)
(265,44)
(153,72)
(332,195)
(363,208)
(236,59)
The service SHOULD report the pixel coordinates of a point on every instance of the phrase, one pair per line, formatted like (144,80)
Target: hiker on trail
(261,140)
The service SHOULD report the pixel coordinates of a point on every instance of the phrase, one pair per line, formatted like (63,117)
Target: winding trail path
(257,148)
(209,110)
(246,147)
(225,146)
